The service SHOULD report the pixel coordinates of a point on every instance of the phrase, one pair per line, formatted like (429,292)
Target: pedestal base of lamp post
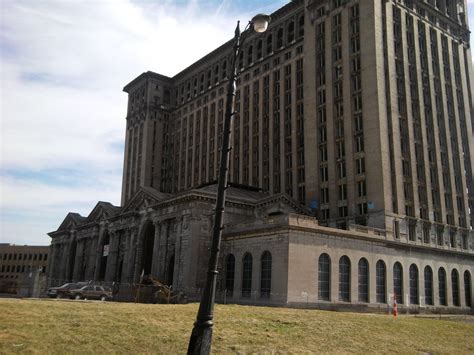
(201,340)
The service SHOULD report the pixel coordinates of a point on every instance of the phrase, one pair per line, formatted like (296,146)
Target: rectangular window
(359,141)
(342,211)
(358,123)
(361,188)
(324,213)
(341,152)
(323,152)
(324,195)
(412,232)
(426,234)
(362,208)
(341,168)
(343,192)
(324,173)
(360,166)
(396,229)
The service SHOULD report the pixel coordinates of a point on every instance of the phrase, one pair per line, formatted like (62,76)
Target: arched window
(442,286)
(428,286)
(414,285)
(381,282)
(247,275)
(363,280)
(269,44)
(290,34)
(301,26)
(266,274)
(259,49)
(280,38)
(324,277)
(229,274)
(467,288)
(455,287)
(398,282)
(344,279)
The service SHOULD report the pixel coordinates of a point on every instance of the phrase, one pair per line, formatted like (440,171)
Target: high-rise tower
(367,121)
(149,99)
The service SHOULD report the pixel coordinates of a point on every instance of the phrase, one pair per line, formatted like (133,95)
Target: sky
(63,65)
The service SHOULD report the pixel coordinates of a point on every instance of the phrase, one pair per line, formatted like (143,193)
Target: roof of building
(147,75)
(240,192)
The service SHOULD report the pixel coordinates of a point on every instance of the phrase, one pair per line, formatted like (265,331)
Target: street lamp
(201,336)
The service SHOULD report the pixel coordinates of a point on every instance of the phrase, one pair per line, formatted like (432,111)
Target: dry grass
(50,326)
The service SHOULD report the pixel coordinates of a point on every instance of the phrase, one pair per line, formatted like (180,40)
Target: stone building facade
(16,261)
(351,165)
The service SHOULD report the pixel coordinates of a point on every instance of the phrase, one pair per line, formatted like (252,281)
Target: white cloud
(63,66)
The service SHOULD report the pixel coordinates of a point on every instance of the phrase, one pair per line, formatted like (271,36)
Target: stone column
(373,281)
(76,272)
(98,254)
(58,268)
(406,284)
(51,267)
(156,247)
(462,294)
(112,257)
(126,255)
(177,263)
(90,270)
(138,255)
(354,283)
(389,281)
(69,274)
(132,254)
(334,279)
(449,288)
(163,250)
(64,261)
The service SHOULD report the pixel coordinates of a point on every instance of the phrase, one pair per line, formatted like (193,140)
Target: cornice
(285,228)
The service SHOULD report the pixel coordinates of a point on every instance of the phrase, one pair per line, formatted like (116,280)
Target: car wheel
(77,297)
(103,298)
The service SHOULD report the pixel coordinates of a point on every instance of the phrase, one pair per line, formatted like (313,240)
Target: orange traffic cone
(395,308)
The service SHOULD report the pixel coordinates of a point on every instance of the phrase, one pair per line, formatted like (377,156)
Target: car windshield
(65,285)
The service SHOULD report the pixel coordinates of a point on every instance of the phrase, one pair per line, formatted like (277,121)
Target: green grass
(50,326)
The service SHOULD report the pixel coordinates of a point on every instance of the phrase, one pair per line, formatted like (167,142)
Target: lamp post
(201,336)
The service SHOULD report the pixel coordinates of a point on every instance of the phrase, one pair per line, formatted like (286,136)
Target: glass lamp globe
(260,22)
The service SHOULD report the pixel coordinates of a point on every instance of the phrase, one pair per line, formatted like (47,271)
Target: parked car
(64,290)
(92,292)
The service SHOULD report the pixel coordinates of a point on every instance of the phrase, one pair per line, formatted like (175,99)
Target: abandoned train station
(351,170)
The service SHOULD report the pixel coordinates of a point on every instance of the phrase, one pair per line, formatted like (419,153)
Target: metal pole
(201,336)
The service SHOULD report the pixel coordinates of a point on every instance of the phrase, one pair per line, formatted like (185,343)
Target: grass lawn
(51,326)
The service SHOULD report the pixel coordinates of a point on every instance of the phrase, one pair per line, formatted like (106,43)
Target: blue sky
(63,65)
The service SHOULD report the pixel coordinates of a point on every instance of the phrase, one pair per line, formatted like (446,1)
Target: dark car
(92,292)
(64,290)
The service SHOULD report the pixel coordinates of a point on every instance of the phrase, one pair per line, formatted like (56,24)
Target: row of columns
(81,258)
